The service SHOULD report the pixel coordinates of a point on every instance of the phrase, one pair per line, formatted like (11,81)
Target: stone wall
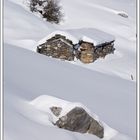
(58,49)
(62,48)
(88,53)
(105,49)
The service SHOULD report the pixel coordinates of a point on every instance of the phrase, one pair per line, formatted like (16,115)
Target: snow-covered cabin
(92,44)
(84,44)
(58,44)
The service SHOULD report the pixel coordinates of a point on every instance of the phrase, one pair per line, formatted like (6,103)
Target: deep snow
(90,35)
(27,76)
(24,26)
(105,87)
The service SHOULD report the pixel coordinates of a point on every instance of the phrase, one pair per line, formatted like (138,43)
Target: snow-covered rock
(29,110)
(123,14)
(56,110)
(78,120)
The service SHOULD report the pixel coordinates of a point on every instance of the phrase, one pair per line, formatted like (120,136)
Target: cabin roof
(92,35)
(89,35)
(60,32)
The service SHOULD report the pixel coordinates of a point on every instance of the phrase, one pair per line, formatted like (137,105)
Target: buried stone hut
(88,52)
(58,46)
(87,45)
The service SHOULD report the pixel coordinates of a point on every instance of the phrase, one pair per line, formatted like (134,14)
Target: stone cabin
(70,45)
(58,47)
(88,52)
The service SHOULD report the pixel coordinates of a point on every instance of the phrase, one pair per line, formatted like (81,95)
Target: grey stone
(79,120)
(56,110)
(123,15)
(96,129)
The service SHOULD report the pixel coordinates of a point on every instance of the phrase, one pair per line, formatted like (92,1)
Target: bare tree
(49,9)
(33,4)
(52,11)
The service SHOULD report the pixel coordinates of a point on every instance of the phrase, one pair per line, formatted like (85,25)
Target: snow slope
(102,15)
(28,76)
(24,27)
(105,87)
(20,24)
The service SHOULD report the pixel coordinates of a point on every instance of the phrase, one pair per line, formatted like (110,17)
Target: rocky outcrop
(123,14)
(78,120)
(56,110)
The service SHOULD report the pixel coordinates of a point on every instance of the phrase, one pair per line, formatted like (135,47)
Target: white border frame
(138,51)
(1,71)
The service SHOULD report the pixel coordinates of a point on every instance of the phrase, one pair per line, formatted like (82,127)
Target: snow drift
(90,35)
(105,95)
(99,15)
(105,87)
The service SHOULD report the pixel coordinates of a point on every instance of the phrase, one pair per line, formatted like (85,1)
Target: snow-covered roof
(90,35)
(64,33)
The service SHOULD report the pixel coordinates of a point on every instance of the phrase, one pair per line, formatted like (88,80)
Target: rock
(79,120)
(125,15)
(96,129)
(56,110)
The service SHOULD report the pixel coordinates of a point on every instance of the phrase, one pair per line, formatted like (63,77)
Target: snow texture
(27,107)
(94,36)
(105,87)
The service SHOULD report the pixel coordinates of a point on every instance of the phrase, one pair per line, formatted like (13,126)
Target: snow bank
(25,43)
(21,24)
(64,33)
(29,75)
(90,35)
(45,102)
(97,15)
